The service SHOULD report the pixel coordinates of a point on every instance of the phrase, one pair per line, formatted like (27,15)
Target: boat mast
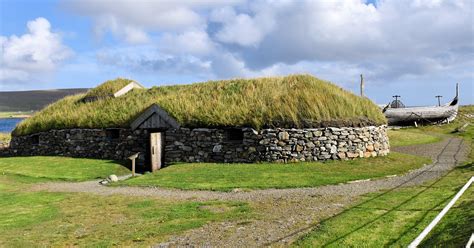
(439,101)
(396,100)
(457,90)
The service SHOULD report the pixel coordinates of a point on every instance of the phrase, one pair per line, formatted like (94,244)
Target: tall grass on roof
(108,88)
(291,101)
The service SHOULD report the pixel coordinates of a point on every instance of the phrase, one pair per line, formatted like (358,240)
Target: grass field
(18,114)
(405,137)
(61,168)
(32,219)
(292,101)
(395,218)
(42,219)
(224,177)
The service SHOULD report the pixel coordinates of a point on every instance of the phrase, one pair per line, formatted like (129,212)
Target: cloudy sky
(414,48)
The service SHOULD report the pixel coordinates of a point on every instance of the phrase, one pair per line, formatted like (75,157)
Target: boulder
(112,178)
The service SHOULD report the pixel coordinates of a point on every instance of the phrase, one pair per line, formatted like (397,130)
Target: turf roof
(291,101)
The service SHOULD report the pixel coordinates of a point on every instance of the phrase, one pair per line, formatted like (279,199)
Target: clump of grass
(108,88)
(291,101)
(5,137)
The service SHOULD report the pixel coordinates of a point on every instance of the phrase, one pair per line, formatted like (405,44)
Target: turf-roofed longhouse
(293,118)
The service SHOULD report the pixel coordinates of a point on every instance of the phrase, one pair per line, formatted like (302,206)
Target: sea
(8,124)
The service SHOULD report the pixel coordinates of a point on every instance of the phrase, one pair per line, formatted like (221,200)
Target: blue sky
(414,48)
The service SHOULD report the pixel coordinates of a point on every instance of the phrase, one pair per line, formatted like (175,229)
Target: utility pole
(439,101)
(361,85)
(396,100)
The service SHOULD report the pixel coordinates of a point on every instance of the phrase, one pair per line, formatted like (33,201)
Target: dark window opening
(35,140)
(235,135)
(112,134)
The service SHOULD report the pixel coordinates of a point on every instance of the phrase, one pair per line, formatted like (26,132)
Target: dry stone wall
(211,145)
(278,145)
(115,144)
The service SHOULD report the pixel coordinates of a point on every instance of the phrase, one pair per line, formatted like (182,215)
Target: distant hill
(33,100)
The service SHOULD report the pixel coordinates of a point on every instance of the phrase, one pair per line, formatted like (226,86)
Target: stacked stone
(211,145)
(290,145)
(86,143)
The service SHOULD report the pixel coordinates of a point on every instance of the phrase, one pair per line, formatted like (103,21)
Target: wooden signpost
(133,157)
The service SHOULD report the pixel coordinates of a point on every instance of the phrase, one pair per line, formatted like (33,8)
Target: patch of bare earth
(282,215)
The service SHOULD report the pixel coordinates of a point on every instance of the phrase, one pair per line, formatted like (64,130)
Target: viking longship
(398,114)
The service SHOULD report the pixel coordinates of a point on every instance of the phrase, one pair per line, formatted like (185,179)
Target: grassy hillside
(13,101)
(292,101)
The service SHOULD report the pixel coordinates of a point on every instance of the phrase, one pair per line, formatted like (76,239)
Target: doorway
(156,150)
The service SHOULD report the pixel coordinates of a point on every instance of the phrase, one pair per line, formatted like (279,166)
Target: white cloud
(129,33)
(145,58)
(392,40)
(37,52)
(128,20)
(244,29)
(194,42)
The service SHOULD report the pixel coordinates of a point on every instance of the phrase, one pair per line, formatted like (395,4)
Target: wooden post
(361,85)
(439,101)
(133,167)
(133,157)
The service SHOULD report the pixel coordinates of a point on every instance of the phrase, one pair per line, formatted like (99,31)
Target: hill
(12,101)
(291,101)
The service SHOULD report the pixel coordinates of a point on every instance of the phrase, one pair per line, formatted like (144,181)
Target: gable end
(154,117)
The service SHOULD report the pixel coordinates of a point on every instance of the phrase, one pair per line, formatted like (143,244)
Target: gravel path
(283,214)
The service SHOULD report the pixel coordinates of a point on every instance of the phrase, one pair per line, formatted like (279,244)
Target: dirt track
(283,214)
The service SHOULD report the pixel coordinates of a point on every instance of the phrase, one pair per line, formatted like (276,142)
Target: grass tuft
(108,88)
(5,137)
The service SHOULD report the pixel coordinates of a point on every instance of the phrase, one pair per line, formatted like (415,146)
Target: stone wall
(115,144)
(211,145)
(279,145)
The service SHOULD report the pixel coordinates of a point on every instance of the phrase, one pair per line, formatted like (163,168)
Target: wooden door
(156,150)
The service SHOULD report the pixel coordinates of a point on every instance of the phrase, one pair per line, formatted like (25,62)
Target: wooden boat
(398,114)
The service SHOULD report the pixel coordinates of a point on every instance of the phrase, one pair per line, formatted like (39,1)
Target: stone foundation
(211,145)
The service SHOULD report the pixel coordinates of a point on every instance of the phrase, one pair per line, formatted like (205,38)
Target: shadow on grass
(391,210)
(453,232)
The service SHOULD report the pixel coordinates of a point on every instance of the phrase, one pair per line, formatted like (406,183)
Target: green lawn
(405,137)
(18,114)
(43,219)
(395,218)
(62,168)
(224,177)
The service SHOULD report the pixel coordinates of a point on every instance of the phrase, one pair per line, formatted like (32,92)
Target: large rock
(283,135)
(112,178)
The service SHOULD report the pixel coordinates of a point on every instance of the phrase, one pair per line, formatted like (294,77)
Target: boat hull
(410,115)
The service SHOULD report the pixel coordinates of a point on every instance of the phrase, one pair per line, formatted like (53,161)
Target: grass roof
(291,101)
(108,88)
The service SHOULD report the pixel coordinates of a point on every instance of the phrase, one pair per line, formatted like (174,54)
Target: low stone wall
(211,145)
(115,144)
(278,145)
